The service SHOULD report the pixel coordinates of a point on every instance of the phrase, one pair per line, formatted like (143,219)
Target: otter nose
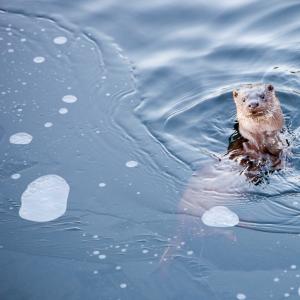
(253,104)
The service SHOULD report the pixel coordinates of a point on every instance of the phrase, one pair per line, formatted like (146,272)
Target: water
(122,102)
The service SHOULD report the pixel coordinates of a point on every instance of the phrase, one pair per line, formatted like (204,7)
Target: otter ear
(235,93)
(270,87)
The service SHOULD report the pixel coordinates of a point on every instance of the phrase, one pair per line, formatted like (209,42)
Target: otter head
(253,100)
(258,109)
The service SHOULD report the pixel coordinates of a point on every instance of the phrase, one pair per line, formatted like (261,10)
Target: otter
(256,149)
(257,143)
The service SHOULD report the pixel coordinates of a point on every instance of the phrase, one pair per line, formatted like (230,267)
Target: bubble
(293,267)
(69,98)
(190,252)
(220,216)
(145,251)
(118,268)
(123,285)
(102,184)
(15,176)
(63,111)
(60,40)
(96,252)
(132,164)
(20,138)
(39,59)
(102,256)
(276,279)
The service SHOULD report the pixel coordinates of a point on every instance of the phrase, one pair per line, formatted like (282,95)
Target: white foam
(39,59)
(132,164)
(60,40)
(69,98)
(45,199)
(220,216)
(20,138)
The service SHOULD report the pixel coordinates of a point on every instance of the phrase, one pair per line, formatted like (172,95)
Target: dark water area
(107,108)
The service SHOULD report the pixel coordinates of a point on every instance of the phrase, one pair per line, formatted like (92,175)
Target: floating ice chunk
(241,296)
(45,199)
(48,124)
(39,59)
(15,176)
(60,40)
(63,111)
(132,164)
(69,98)
(220,216)
(20,138)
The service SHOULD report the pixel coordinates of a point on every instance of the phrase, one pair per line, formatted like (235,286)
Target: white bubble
(276,279)
(102,256)
(132,164)
(96,252)
(60,40)
(220,216)
(69,98)
(45,199)
(96,272)
(102,184)
(123,285)
(190,252)
(286,295)
(118,268)
(39,59)
(145,251)
(63,110)
(10,50)
(299,291)
(293,267)
(20,138)
(15,176)
(241,296)
(48,124)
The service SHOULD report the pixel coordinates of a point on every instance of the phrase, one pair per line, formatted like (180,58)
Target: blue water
(153,84)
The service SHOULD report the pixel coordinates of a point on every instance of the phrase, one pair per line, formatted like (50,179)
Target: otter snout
(253,104)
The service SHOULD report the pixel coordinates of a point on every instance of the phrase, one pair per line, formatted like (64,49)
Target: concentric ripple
(190,110)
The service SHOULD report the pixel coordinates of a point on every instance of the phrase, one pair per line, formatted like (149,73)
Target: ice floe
(45,199)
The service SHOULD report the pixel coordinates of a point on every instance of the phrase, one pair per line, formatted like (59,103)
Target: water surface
(122,102)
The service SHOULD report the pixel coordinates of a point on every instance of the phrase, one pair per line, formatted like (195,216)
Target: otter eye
(270,87)
(262,96)
(244,99)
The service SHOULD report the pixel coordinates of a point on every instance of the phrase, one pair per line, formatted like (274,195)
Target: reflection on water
(126,141)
